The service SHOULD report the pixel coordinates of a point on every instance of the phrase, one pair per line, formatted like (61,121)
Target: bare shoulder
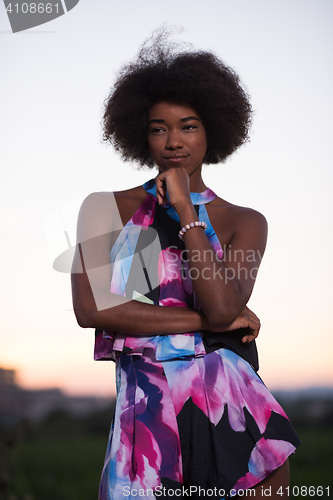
(99,201)
(135,193)
(231,220)
(107,196)
(106,211)
(246,216)
(95,205)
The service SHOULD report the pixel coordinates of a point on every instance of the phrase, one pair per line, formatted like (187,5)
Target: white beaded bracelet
(197,223)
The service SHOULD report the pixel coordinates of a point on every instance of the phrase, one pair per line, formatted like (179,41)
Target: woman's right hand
(246,319)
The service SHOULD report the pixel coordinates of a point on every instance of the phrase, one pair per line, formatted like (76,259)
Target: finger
(251,336)
(255,333)
(251,314)
(254,322)
(248,338)
(160,197)
(161,191)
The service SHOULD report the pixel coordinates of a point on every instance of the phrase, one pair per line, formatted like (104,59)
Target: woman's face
(176,136)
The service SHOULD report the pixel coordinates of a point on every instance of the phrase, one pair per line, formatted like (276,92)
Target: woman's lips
(175,159)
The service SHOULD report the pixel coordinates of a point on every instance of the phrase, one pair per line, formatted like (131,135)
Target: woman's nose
(174,140)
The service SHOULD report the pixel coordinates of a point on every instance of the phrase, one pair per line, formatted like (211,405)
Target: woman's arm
(222,288)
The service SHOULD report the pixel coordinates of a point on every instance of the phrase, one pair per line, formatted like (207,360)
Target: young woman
(192,417)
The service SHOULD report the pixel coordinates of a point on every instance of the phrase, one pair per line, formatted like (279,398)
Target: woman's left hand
(246,319)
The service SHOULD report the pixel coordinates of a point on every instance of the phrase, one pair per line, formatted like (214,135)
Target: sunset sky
(54,79)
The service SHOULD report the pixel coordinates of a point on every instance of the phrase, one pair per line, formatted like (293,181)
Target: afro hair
(161,73)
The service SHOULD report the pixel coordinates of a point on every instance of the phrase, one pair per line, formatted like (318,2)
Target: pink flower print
(268,454)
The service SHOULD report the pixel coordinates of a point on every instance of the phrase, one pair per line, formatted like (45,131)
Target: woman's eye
(157,130)
(189,127)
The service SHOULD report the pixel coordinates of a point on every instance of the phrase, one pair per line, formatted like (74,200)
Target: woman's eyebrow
(189,118)
(156,120)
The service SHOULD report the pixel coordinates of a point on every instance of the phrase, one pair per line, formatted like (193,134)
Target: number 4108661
(33,8)
(304,491)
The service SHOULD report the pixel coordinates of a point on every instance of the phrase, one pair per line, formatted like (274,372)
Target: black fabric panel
(214,454)
(167,228)
(278,427)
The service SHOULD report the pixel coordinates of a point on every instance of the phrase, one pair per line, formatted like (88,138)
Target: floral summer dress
(192,418)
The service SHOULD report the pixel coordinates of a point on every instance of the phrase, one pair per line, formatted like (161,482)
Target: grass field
(62,460)
(312,464)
